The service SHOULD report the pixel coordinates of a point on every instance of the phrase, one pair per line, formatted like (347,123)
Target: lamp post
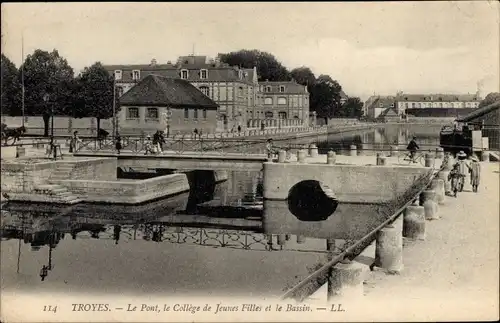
(46,98)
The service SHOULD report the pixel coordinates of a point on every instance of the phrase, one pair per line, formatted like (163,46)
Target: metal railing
(354,250)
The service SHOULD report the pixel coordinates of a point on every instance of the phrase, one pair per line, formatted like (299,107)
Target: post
(439,153)
(428,160)
(301,156)
(394,151)
(428,199)
(114,106)
(414,223)
(331,157)
(353,150)
(389,249)
(485,155)
(381,161)
(437,185)
(54,152)
(346,279)
(281,156)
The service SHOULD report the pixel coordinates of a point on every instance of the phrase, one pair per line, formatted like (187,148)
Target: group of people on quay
(461,168)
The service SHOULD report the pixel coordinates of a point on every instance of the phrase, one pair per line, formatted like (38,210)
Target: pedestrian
(74,143)
(475,173)
(269,148)
(239,129)
(463,167)
(148,145)
(195,131)
(118,143)
(455,177)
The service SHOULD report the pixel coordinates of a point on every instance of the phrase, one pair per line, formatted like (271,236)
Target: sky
(370,48)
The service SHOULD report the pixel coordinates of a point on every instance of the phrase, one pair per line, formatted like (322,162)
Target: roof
(437,97)
(480,112)
(155,90)
(389,112)
(290,87)
(217,72)
(386,102)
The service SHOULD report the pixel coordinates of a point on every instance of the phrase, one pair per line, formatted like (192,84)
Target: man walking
(475,173)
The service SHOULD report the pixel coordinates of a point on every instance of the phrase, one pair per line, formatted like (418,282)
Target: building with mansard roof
(234,89)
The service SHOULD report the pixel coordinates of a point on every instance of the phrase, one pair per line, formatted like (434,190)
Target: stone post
(394,151)
(439,153)
(346,280)
(428,199)
(301,239)
(443,175)
(301,156)
(485,155)
(428,160)
(389,249)
(331,157)
(313,150)
(382,161)
(353,150)
(281,239)
(414,223)
(281,156)
(438,186)
(20,151)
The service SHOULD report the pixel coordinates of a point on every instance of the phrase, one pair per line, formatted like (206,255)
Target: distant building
(282,100)
(406,103)
(234,89)
(378,105)
(146,106)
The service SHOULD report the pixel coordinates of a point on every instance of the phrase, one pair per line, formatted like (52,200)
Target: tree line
(50,86)
(325,92)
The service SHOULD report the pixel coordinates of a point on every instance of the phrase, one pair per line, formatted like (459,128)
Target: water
(168,247)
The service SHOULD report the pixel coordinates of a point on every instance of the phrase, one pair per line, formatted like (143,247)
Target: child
(475,173)
(454,177)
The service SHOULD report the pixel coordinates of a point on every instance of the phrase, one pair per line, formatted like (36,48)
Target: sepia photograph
(250,161)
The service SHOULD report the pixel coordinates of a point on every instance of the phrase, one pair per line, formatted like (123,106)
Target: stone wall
(127,191)
(22,177)
(351,183)
(103,169)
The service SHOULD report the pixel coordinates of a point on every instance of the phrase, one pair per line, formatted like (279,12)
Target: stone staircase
(57,194)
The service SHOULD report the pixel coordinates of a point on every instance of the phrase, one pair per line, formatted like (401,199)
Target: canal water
(178,246)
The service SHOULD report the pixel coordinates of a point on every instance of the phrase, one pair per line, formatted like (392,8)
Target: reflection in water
(167,246)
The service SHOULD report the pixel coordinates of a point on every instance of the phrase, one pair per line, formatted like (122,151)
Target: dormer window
(381,105)
(118,75)
(268,88)
(184,74)
(282,88)
(136,75)
(203,74)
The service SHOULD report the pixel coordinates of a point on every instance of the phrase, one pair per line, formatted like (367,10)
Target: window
(282,115)
(223,93)
(186,113)
(230,93)
(282,88)
(203,74)
(133,113)
(281,101)
(268,114)
(413,105)
(268,88)
(441,105)
(205,90)
(152,113)
(195,114)
(268,101)
(406,105)
(118,75)
(184,74)
(204,113)
(136,75)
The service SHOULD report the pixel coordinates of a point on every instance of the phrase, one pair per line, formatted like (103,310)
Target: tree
(268,66)
(46,75)
(11,89)
(303,75)
(352,108)
(489,99)
(323,100)
(95,94)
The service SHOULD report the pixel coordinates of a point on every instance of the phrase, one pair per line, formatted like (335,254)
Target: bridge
(185,161)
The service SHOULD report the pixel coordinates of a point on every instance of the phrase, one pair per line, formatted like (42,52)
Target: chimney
(153,62)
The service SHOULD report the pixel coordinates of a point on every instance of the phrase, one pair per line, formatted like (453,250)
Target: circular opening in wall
(311,200)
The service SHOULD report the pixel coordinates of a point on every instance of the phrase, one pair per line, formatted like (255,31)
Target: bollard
(428,160)
(389,250)
(331,157)
(382,161)
(353,150)
(437,185)
(301,239)
(414,223)
(448,162)
(301,156)
(439,153)
(485,155)
(20,151)
(398,223)
(281,156)
(443,175)
(378,157)
(430,205)
(394,151)
(346,279)
(313,150)
(287,237)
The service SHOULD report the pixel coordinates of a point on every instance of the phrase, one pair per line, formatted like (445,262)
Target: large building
(282,100)
(234,89)
(489,117)
(167,104)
